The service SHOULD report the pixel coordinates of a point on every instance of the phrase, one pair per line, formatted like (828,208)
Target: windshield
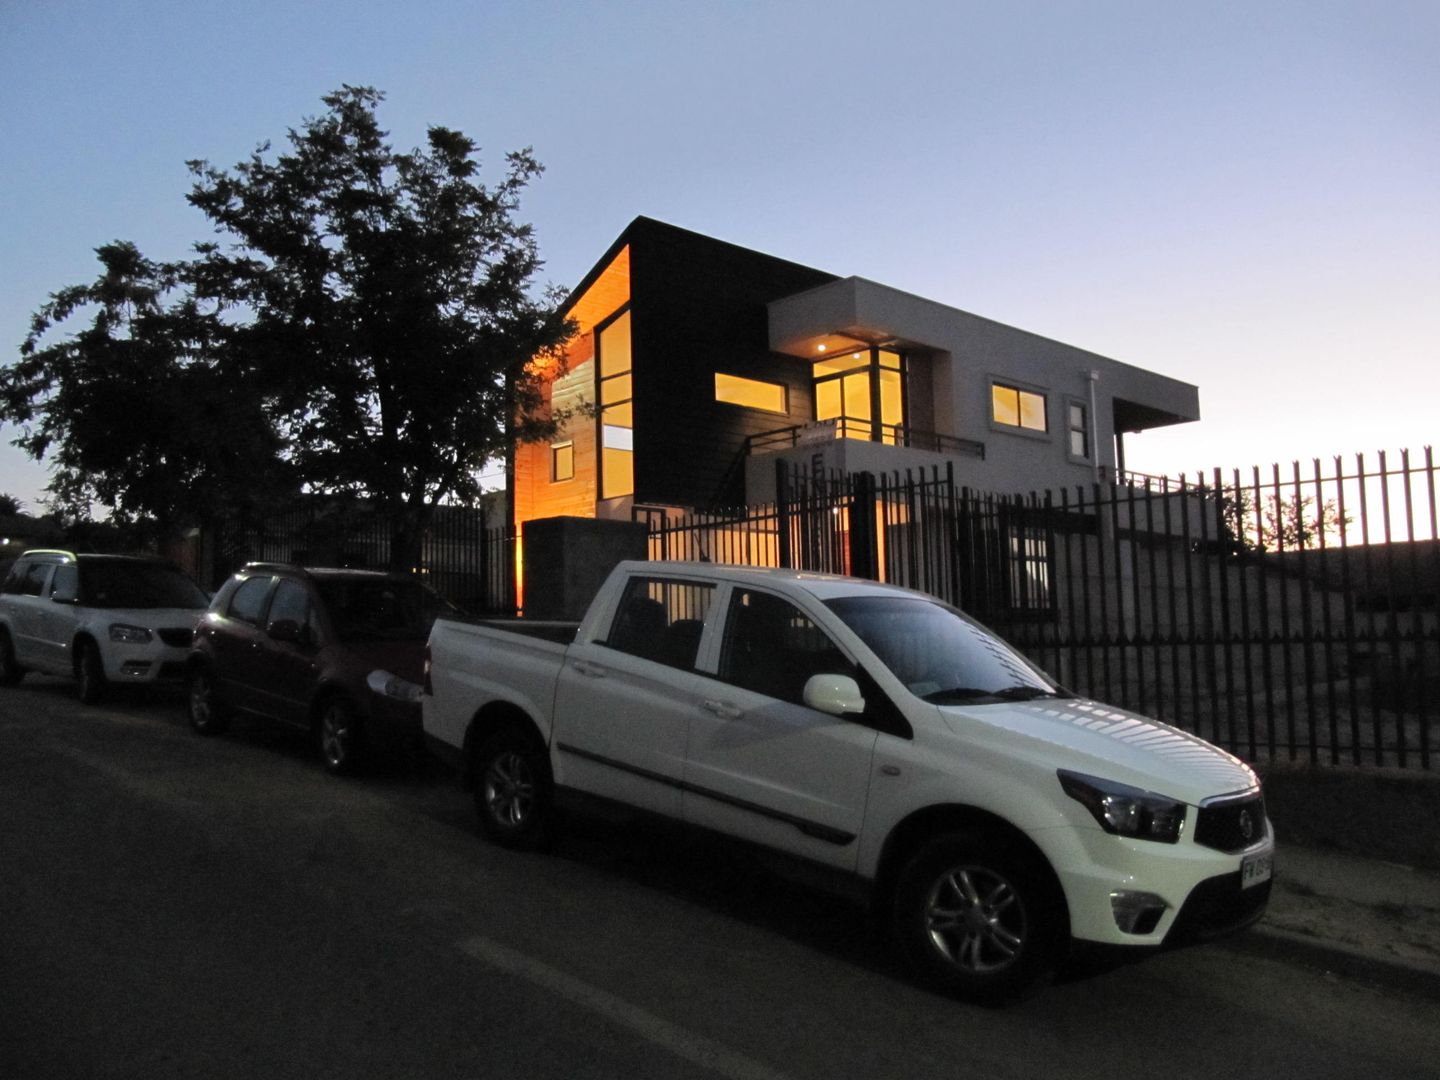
(939,654)
(137,585)
(380,609)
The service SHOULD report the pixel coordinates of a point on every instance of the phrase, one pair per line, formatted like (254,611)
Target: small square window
(562,462)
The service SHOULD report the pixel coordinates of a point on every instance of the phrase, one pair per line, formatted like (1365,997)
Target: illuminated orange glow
(537,495)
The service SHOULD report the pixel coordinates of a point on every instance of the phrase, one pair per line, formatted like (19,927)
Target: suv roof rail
(48,551)
(270,564)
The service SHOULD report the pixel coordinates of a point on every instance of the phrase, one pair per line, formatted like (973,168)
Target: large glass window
(859,388)
(617,414)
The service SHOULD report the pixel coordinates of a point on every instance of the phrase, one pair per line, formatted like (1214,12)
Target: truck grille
(1232,825)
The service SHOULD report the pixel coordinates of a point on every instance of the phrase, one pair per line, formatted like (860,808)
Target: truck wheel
(10,672)
(977,917)
(338,731)
(514,789)
(90,682)
(208,714)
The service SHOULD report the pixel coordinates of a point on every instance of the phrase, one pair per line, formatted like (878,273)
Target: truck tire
(514,791)
(977,916)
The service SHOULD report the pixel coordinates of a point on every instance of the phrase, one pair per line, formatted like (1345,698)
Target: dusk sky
(1245,196)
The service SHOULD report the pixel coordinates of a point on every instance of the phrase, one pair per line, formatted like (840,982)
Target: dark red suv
(337,653)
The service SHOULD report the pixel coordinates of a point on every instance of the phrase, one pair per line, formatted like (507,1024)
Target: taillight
(425,682)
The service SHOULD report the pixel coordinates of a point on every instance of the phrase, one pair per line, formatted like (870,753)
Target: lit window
(562,462)
(750,393)
(1014,407)
(617,420)
(1079,431)
(856,389)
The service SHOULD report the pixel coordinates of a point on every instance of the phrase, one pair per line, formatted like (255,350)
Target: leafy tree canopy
(364,323)
(144,409)
(390,304)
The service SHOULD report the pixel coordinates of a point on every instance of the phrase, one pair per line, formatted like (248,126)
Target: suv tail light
(425,683)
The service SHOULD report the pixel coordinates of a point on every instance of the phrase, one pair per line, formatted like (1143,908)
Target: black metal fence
(1285,614)
(462,557)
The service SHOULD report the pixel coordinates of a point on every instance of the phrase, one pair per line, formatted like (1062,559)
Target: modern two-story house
(704,363)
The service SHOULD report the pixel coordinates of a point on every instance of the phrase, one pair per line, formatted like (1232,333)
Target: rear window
(380,609)
(137,585)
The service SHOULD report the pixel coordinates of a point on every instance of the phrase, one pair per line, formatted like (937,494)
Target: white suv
(102,618)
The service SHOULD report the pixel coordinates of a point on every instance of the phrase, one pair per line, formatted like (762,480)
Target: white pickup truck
(872,731)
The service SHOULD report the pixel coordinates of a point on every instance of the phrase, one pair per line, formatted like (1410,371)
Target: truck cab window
(772,647)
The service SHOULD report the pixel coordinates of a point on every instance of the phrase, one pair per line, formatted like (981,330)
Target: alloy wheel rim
(975,919)
(334,734)
(200,701)
(509,790)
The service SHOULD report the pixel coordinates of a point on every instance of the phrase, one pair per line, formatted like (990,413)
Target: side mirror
(289,631)
(838,695)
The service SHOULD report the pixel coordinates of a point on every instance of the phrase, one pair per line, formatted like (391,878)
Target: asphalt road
(175,906)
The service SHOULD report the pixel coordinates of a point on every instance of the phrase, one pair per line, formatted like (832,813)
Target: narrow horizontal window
(750,393)
(1014,407)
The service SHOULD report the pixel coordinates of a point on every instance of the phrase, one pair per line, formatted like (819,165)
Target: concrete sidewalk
(1378,922)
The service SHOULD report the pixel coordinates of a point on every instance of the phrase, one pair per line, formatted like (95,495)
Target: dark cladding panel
(700,307)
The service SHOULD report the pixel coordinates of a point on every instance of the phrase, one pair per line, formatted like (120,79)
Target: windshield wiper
(1026,693)
(972,693)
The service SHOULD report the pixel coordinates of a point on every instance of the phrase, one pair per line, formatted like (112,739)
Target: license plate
(1256,869)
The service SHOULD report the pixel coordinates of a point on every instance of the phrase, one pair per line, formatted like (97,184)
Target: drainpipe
(1093,377)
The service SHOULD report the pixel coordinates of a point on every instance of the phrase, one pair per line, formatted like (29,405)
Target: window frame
(1006,383)
(555,449)
(784,409)
(1088,430)
(601,405)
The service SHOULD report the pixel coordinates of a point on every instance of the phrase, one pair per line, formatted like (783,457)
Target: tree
(10,506)
(1293,523)
(145,409)
(391,306)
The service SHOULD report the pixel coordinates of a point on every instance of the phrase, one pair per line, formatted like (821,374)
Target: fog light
(1137,912)
(135,667)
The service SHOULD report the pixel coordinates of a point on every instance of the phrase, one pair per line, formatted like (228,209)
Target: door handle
(722,709)
(589,669)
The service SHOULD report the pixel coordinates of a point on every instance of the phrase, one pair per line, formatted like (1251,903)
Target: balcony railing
(851,427)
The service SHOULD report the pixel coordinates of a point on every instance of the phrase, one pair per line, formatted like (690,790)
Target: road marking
(682,1043)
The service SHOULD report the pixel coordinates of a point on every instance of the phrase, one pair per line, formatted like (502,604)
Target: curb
(1410,976)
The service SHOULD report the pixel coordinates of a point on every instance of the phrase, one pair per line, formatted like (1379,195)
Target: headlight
(129,635)
(1125,810)
(390,685)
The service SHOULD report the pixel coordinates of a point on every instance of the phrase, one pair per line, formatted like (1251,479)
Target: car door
(26,603)
(285,672)
(238,644)
(763,766)
(623,705)
(56,618)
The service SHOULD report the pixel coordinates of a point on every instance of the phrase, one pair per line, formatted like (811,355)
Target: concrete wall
(567,559)
(956,356)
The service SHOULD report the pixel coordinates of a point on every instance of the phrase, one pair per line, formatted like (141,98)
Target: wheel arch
(81,638)
(490,718)
(932,821)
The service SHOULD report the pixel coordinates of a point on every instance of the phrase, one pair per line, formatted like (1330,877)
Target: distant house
(703,364)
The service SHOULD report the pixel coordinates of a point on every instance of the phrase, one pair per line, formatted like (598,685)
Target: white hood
(1111,743)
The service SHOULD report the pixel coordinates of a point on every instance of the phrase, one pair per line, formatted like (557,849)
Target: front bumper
(154,662)
(1200,887)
